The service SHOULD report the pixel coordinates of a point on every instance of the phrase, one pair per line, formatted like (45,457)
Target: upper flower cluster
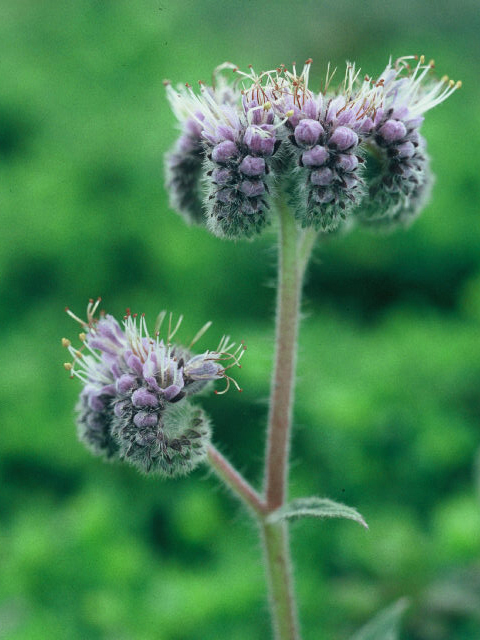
(133,404)
(261,132)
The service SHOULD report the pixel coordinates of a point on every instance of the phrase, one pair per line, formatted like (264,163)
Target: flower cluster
(135,401)
(354,149)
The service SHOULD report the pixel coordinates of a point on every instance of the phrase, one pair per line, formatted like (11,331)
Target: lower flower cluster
(135,404)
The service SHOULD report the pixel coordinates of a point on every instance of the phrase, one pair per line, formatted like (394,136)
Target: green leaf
(385,625)
(315,508)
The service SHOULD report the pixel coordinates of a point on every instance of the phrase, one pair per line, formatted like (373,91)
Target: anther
(66,342)
(68,366)
(82,336)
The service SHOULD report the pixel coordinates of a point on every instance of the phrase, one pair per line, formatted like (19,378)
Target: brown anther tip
(250,66)
(143,315)
(239,366)
(240,390)
(67,309)
(66,342)
(90,300)
(308,61)
(99,299)
(188,85)
(216,392)
(166,83)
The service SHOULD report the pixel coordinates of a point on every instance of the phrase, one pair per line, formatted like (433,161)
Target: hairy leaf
(315,508)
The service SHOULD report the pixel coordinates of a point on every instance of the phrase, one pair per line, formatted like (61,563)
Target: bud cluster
(135,402)
(324,140)
(329,157)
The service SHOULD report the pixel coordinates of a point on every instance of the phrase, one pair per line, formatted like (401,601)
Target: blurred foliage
(388,410)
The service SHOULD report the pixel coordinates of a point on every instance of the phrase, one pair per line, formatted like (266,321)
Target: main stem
(281,393)
(294,251)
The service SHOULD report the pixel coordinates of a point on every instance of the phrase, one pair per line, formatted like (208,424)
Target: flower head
(398,162)
(133,382)
(323,139)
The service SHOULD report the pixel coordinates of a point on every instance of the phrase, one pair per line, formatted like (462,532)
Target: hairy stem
(281,394)
(294,252)
(235,481)
(280,582)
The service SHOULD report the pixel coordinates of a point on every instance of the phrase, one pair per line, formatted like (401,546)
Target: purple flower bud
(315,157)
(202,367)
(143,398)
(406,149)
(193,128)
(260,139)
(221,175)
(224,151)
(393,130)
(134,362)
(119,408)
(144,419)
(226,132)
(321,177)
(350,180)
(95,403)
(343,138)
(347,162)
(172,391)
(252,166)
(251,188)
(367,125)
(109,329)
(126,383)
(307,132)
(225,195)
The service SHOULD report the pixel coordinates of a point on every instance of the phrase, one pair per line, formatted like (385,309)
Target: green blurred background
(388,409)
